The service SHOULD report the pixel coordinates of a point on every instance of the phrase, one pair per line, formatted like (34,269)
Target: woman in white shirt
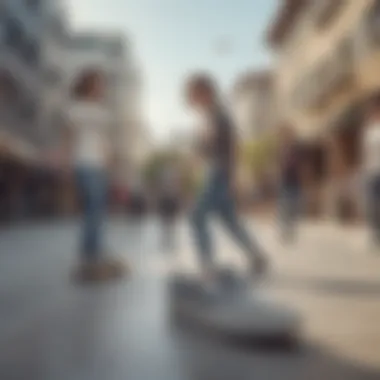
(371,166)
(90,152)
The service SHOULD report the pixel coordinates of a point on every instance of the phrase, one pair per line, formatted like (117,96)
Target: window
(9,89)
(56,26)
(13,33)
(52,76)
(113,48)
(372,24)
(2,11)
(30,52)
(328,77)
(28,111)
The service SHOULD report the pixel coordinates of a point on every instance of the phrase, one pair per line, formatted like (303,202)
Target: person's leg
(292,212)
(170,233)
(92,187)
(98,204)
(83,195)
(229,216)
(199,222)
(286,212)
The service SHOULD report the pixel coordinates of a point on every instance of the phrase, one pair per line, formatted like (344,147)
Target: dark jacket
(220,148)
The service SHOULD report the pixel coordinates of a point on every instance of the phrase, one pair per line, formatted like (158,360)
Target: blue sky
(170,38)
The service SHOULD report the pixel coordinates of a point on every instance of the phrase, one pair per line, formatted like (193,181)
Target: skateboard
(235,310)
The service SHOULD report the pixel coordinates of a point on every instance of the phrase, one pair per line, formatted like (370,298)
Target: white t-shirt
(90,123)
(371,150)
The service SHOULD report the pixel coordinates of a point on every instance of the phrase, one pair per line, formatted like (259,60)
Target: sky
(171,38)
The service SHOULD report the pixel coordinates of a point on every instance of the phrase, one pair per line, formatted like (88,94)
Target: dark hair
(85,82)
(201,82)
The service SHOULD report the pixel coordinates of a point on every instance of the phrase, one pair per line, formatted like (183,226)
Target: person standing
(88,148)
(291,169)
(371,167)
(218,147)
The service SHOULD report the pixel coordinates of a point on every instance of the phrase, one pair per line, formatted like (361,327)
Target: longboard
(235,310)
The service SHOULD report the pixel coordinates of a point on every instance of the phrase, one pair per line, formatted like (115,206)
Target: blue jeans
(289,208)
(216,198)
(373,206)
(92,189)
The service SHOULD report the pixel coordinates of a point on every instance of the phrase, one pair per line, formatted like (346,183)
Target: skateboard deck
(235,309)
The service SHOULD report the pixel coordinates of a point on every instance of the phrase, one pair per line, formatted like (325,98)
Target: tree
(258,155)
(160,160)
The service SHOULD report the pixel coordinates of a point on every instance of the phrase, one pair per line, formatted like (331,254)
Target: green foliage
(257,155)
(156,163)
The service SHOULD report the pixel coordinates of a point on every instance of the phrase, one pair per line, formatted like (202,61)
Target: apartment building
(254,104)
(327,59)
(112,54)
(20,32)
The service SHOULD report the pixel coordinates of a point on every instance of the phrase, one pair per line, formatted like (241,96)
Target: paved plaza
(52,329)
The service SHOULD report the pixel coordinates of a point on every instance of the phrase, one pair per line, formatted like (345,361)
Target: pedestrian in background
(291,167)
(168,205)
(87,137)
(371,167)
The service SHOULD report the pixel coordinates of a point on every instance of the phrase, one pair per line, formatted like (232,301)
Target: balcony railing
(327,11)
(25,74)
(369,40)
(328,78)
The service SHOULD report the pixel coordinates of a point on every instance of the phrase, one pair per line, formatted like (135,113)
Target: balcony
(24,74)
(29,17)
(326,11)
(369,32)
(331,76)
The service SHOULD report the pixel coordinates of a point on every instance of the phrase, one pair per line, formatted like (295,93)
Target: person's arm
(227,149)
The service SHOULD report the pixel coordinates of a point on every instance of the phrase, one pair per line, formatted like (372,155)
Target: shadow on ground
(328,285)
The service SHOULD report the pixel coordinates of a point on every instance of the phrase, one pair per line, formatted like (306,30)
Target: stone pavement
(52,329)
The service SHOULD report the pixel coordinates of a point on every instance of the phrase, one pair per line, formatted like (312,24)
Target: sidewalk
(333,282)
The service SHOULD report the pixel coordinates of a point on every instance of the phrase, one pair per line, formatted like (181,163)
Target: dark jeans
(92,188)
(216,198)
(289,208)
(373,206)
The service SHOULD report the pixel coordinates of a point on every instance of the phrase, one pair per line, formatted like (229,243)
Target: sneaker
(116,267)
(99,271)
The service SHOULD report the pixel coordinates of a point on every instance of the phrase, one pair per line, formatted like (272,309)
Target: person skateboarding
(216,197)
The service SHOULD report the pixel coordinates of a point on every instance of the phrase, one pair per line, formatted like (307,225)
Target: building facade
(25,28)
(327,57)
(254,104)
(20,39)
(110,54)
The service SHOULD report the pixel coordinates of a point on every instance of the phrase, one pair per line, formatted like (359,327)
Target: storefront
(344,192)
